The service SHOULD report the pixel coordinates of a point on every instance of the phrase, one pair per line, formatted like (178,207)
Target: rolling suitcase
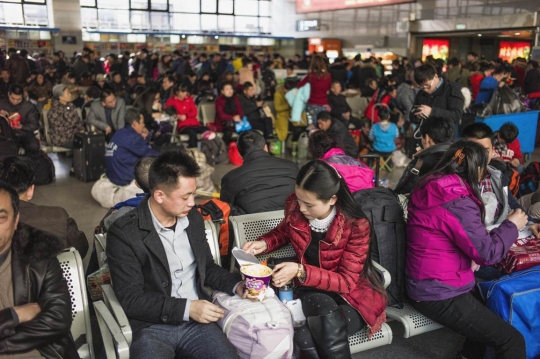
(88,156)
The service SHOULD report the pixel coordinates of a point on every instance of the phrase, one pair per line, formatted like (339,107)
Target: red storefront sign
(438,48)
(509,50)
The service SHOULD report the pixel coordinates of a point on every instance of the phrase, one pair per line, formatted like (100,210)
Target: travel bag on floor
(88,156)
(258,330)
(516,299)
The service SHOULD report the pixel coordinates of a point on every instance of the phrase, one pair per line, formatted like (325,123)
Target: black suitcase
(88,156)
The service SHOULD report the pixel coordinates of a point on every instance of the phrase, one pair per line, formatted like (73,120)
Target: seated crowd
(157,254)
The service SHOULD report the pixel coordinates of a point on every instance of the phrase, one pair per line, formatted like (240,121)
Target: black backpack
(388,247)
(44,168)
(215,150)
(8,141)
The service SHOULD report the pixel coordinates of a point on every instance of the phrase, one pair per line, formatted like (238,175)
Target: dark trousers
(186,340)
(466,315)
(263,124)
(28,141)
(192,132)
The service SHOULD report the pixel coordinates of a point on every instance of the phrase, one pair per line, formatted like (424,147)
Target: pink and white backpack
(258,330)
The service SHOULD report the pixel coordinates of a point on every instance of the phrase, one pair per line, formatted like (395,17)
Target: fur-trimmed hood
(32,244)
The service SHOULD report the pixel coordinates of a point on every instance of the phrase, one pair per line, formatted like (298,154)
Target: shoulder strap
(415,171)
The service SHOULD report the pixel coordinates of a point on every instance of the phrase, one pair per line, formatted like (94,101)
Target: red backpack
(234,155)
(218,211)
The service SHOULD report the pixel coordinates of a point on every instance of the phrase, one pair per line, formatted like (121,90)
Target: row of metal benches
(117,335)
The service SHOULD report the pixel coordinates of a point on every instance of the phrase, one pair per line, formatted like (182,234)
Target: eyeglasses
(427,87)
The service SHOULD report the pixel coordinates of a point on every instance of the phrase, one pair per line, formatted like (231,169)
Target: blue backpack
(516,299)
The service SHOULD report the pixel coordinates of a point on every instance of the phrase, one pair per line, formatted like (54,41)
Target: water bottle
(383,183)
(286,292)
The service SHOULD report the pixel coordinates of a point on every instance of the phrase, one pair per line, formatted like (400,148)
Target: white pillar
(66,15)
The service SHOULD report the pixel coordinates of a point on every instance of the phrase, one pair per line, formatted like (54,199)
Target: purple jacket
(355,173)
(445,234)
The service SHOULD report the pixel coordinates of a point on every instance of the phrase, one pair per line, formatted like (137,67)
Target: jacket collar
(255,155)
(298,221)
(152,240)
(333,152)
(29,245)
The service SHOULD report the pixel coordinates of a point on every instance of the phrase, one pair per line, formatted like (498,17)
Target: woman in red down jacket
(186,112)
(320,81)
(228,111)
(335,279)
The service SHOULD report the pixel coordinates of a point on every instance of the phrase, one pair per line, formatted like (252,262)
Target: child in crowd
(228,111)
(507,146)
(384,133)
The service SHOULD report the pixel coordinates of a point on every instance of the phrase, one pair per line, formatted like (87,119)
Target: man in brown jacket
(19,173)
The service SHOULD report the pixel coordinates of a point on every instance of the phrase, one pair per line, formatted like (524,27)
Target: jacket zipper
(302,256)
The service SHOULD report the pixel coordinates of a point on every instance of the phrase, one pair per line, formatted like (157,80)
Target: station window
(190,16)
(24,12)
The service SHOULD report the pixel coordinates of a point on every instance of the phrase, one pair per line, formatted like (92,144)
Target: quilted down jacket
(342,256)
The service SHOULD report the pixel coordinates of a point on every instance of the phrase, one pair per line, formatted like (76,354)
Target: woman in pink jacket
(446,239)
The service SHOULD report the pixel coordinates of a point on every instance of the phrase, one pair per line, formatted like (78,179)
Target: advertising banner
(303,6)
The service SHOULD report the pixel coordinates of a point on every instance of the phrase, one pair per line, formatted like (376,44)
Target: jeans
(313,111)
(466,315)
(186,340)
(192,132)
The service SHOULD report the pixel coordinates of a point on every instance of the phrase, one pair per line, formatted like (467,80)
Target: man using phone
(437,98)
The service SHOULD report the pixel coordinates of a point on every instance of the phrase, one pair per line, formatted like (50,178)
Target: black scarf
(230,106)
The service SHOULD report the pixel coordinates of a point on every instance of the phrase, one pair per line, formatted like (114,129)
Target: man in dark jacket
(81,66)
(438,98)
(19,173)
(340,109)
(127,146)
(263,182)
(17,67)
(35,305)
(338,70)
(28,118)
(436,139)
(252,110)
(361,73)
(5,83)
(160,264)
(340,132)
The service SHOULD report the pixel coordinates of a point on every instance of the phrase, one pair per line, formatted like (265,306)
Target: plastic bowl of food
(256,279)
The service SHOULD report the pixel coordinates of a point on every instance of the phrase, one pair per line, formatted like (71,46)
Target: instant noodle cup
(256,279)
(15,120)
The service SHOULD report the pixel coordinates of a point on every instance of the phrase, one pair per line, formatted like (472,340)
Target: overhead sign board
(303,6)
(307,25)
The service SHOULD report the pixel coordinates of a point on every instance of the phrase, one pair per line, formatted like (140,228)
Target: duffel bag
(516,299)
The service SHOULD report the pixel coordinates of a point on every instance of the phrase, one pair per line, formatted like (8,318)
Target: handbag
(242,126)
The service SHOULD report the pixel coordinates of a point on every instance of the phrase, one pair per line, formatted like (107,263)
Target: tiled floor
(75,197)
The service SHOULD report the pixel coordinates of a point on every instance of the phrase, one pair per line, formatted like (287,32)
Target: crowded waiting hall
(275,179)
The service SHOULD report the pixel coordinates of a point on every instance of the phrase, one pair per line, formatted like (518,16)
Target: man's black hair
(424,73)
(247,85)
(225,83)
(170,78)
(16,89)
(477,131)
(14,197)
(104,94)
(500,70)
(93,92)
(142,168)
(168,168)
(250,141)
(472,53)
(133,114)
(453,61)
(324,115)
(508,132)
(438,129)
(384,114)
(17,172)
